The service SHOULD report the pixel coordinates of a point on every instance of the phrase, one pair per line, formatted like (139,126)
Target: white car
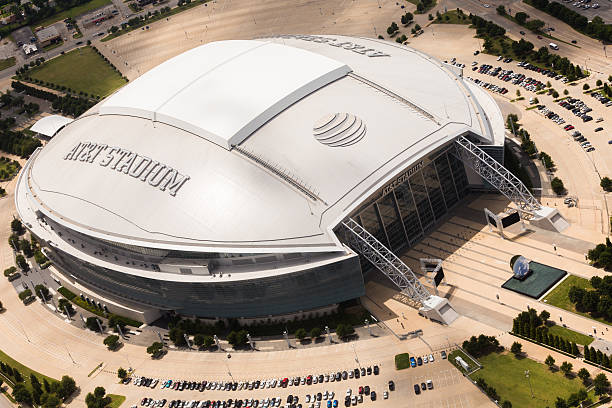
(307,397)
(331,395)
(385,395)
(425,359)
(349,392)
(431,358)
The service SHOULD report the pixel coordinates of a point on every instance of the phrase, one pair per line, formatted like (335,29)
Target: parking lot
(436,381)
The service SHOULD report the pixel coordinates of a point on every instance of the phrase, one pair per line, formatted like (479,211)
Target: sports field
(81,69)
(506,374)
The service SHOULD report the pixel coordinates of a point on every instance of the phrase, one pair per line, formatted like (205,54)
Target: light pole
(217,342)
(529,379)
(367,322)
(250,341)
(356,358)
(286,336)
(328,333)
(187,340)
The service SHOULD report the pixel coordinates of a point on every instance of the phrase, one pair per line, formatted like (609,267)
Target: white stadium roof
(319,124)
(50,125)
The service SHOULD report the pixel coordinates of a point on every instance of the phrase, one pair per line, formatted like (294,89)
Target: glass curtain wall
(401,217)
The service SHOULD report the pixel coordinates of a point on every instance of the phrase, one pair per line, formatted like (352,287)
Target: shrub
(25,294)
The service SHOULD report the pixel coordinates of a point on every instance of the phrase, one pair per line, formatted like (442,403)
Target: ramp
(364,243)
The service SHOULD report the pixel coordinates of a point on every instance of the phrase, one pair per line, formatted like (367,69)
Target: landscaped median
(402,361)
(96,310)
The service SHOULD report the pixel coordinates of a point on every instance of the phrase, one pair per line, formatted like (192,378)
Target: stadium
(219,183)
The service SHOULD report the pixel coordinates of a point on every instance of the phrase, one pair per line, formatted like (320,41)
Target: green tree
(114,321)
(17,375)
(584,375)
(560,403)
(506,403)
(344,330)
(17,226)
(26,248)
(598,82)
(521,17)
(121,373)
(92,323)
(550,361)
(301,333)
(21,262)
(22,394)
(155,349)
(516,348)
(198,339)
(601,384)
(557,186)
(544,315)
(50,401)
(565,92)
(112,341)
(606,183)
(566,368)
(177,336)
(501,10)
(97,399)
(315,333)
(585,87)
(41,291)
(67,386)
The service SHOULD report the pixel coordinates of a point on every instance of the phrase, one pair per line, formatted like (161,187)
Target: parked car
(417,389)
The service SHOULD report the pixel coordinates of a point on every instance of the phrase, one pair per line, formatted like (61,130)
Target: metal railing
(384,260)
(496,174)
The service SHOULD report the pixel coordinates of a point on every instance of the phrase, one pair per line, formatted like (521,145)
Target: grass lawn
(53,45)
(23,370)
(74,12)
(402,361)
(81,69)
(116,400)
(459,353)
(571,335)
(506,374)
(7,63)
(453,17)
(559,296)
(8,168)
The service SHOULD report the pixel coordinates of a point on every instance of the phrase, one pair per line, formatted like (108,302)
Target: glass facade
(402,216)
(272,295)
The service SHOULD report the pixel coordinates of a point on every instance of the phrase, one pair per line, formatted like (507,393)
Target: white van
(553,46)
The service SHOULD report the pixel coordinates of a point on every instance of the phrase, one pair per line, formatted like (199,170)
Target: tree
(17,226)
(64,304)
(26,248)
(601,384)
(177,336)
(566,368)
(41,291)
(22,394)
(544,315)
(557,186)
(315,333)
(92,323)
(550,361)
(598,82)
(301,333)
(21,262)
(344,330)
(565,92)
(516,348)
(501,10)
(198,339)
(584,375)
(155,349)
(606,183)
(506,404)
(417,27)
(114,321)
(50,401)
(521,17)
(574,350)
(518,92)
(237,338)
(98,399)
(585,87)
(112,342)
(121,373)
(67,386)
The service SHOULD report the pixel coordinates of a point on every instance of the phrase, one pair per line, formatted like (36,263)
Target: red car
(569,127)
(360,389)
